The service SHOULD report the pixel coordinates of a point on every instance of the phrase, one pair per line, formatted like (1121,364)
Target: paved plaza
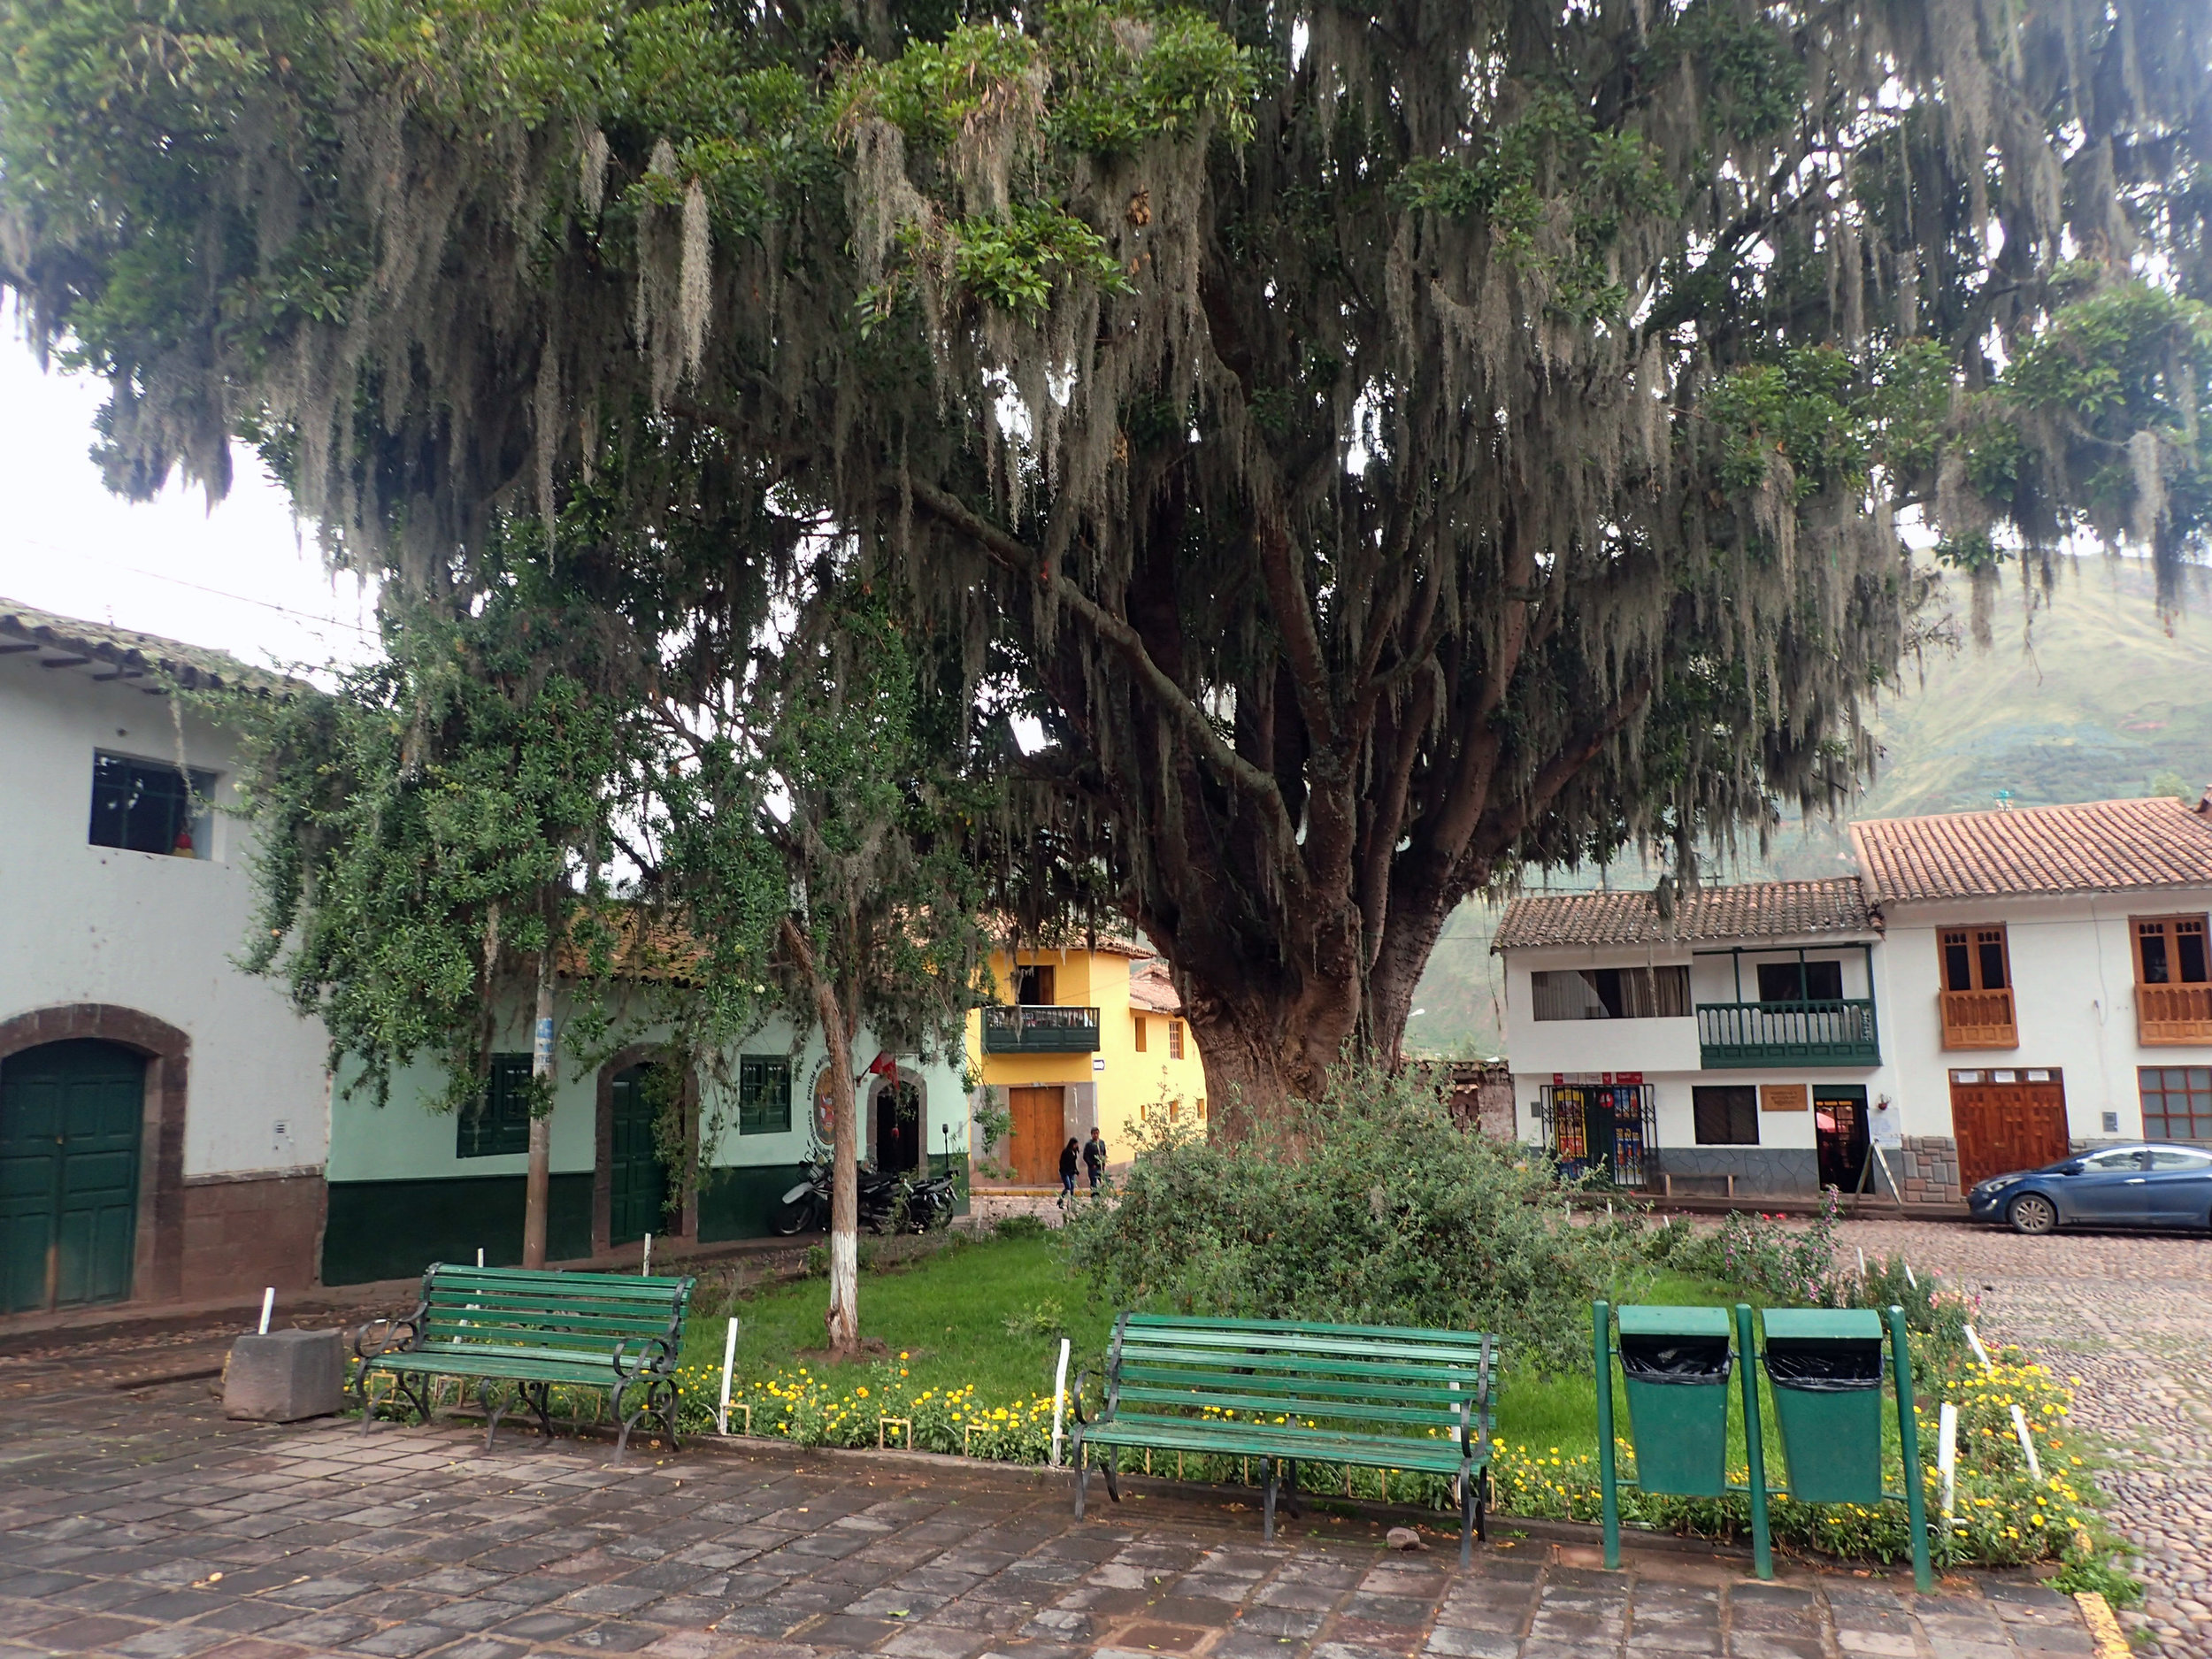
(2130,1315)
(141,1523)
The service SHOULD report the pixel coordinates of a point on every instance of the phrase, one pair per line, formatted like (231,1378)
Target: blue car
(2140,1186)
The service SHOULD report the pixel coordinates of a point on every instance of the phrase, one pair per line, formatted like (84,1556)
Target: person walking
(1069,1156)
(1095,1158)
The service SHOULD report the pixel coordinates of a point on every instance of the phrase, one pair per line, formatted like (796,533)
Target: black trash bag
(1675,1359)
(1825,1367)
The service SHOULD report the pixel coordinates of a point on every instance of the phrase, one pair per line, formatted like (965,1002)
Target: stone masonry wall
(1927,1168)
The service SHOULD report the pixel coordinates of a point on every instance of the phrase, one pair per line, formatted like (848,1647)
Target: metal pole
(1608,1495)
(1755,1444)
(645,1267)
(1909,1441)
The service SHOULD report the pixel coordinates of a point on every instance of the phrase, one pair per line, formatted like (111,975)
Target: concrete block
(285,1376)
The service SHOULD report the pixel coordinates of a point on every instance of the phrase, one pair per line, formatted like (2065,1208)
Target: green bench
(533,1329)
(1374,1396)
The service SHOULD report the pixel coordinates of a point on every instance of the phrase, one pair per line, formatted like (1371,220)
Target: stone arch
(602,1144)
(878,1085)
(158,1258)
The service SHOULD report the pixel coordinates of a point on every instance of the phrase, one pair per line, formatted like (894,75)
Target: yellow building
(1082,1037)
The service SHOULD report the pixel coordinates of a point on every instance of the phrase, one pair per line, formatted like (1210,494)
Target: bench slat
(1270,1440)
(1294,1408)
(1282,1373)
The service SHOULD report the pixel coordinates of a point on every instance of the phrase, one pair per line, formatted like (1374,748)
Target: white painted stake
(646,1270)
(1059,1401)
(1862,1266)
(1980,1353)
(1947,1456)
(2020,1427)
(1910,1279)
(729,1358)
(268,1305)
(479,1256)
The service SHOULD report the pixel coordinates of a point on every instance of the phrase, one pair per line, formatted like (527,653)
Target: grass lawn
(949,1313)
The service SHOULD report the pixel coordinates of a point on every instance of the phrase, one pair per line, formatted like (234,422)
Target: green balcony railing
(1034,1029)
(1787,1033)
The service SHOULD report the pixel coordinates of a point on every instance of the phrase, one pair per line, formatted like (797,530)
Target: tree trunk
(843,1317)
(538,1184)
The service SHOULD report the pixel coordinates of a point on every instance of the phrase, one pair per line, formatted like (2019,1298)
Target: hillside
(2089,696)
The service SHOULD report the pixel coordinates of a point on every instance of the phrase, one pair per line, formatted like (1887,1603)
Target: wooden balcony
(1978,1020)
(1735,1034)
(1036,1029)
(2169,1014)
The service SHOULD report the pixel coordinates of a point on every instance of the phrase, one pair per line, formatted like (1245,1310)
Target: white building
(1992,990)
(167,1124)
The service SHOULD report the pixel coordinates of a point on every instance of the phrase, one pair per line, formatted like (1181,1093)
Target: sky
(240,578)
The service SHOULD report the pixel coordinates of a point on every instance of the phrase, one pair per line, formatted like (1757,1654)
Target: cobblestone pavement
(144,1526)
(2130,1315)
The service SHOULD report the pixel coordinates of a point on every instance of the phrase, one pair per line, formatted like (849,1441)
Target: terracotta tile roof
(2097,847)
(1151,991)
(125,654)
(1754,909)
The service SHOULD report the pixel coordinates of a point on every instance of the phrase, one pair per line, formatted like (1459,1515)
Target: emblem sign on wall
(824,1104)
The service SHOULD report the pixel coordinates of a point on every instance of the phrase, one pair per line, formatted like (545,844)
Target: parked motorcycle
(889,1202)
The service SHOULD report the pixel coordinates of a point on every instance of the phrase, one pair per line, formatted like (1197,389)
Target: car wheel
(2032,1213)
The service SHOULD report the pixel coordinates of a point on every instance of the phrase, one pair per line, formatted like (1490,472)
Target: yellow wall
(1129,1082)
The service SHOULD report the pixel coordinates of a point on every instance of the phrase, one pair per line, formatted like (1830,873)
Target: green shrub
(1368,1206)
(1021,1227)
(1044,1318)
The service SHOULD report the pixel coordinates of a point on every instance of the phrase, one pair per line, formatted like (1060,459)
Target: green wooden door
(637,1180)
(69,1121)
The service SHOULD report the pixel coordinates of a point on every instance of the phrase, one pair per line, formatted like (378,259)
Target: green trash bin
(1674,1367)
(1824,1368)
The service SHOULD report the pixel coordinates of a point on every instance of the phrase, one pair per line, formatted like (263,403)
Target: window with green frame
(763,1095)
(499,1121)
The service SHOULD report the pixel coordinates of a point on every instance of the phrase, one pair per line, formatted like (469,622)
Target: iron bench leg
(1113,1473)
(484,1386)
(1273,1471)
(1082,1457)
(1291,1500)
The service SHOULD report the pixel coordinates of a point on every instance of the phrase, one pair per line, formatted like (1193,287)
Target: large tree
(1381,445)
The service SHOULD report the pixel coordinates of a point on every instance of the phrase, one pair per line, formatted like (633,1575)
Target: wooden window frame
(1175,1040)
(496,1124)
(1139,1019)
(755,1091)
(2173,1011)
(1977,1015)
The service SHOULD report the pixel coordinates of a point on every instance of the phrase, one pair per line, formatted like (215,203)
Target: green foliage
(1015,261)
(1014,1227)
(1831,416)
(425,829)
(1128,75)
(1753,81)
(1373,1207)
(1043,1318)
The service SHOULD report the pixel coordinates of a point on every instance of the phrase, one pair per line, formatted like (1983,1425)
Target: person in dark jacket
(1095,1157)
(1068,1159)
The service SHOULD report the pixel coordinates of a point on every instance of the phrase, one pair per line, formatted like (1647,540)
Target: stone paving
(144,1526)
(2130,1315)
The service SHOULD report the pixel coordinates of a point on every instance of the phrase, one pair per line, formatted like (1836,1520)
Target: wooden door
(69,1122)
(1038,1135)
(637,1181)
(2006,1126)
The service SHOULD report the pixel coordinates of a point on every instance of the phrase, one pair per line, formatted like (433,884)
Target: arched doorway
(70,1113)
(899,1125)
(637,1175)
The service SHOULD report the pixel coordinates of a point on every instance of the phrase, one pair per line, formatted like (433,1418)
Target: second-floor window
(1974,959)
(146,807)
(1034,985)
(2170,950)
(1801,982)
(1612,993)
(1139,1021)
(1175,1040)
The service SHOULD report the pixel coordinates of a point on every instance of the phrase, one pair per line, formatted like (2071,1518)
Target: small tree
(433,837)
(836,769)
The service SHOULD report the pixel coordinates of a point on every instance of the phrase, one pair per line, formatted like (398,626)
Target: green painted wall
(395,1229)
(736,1203)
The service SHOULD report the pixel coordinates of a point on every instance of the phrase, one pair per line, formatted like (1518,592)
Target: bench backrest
(586,1315)
(1397,1378)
